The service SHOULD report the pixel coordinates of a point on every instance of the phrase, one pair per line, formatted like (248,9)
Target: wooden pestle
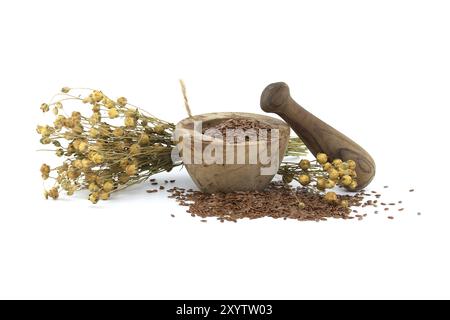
(317,135)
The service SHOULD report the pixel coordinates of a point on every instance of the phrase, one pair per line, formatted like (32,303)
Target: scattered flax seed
(376,212)
(383,204)
(204,220)
(400,202)
(154,183)
(390,217)
(161,187)
(386,209)
(419,214)
(151,180)
(166,181)
(151,191)
(172,181)
(172,215)
(386,187)
(392,204)
(374,192)
(401,209)
(412,190)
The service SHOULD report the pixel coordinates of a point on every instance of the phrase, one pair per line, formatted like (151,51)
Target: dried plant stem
(186,102)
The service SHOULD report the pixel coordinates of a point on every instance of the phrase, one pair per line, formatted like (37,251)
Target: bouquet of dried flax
(113,147)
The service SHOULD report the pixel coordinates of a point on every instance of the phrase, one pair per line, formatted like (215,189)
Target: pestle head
(275,97)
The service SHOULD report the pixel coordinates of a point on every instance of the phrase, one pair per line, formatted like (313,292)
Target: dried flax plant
(320,174)
(116,145)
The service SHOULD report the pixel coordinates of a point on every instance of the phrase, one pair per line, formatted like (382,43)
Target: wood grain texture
(317,135)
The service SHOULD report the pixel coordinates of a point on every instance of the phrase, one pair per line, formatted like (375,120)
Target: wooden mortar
(214,178)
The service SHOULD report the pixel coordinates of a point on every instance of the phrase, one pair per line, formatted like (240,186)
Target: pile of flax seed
(280,201)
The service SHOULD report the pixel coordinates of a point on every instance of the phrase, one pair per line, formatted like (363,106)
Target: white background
(377,70)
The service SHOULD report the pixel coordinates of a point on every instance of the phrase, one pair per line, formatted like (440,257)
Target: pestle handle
(317,135)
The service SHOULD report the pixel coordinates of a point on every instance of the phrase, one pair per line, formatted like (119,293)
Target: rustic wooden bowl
(214,178)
